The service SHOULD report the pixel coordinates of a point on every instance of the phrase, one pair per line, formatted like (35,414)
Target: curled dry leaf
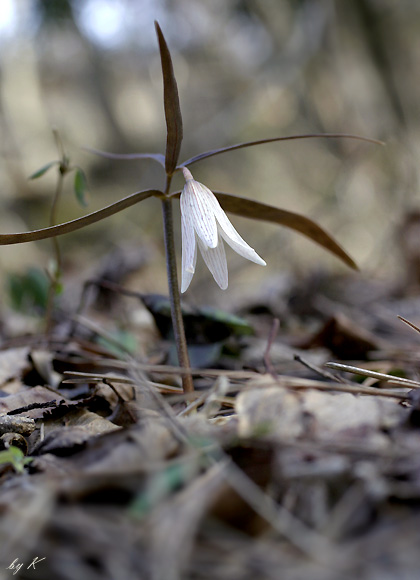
(43,364)
(13,439)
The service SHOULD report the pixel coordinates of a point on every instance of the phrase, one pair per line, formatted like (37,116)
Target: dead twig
(396,381)
(321,372)
(267,355)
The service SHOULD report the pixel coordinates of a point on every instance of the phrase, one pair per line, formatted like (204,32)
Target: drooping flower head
(204,222)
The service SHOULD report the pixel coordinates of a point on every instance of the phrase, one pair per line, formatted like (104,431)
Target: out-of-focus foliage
(54,11)
(245,70)
(28,291)
(15,457)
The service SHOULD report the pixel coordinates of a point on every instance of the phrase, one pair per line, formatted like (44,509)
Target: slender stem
(174,296)
(53,219)
(55,276)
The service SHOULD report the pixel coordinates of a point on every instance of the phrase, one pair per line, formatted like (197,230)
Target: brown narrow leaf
(260,211)
(128,156)
(79,223)
(171,103)
(214,152)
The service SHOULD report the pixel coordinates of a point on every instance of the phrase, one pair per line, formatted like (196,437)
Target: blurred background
(246,69)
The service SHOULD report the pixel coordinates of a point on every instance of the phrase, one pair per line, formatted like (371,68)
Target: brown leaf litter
(296,473)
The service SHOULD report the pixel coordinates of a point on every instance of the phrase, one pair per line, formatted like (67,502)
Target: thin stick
(374,375)
(319,371)
(413,326)
(267,355)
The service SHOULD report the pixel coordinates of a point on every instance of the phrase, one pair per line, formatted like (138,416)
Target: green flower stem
(174,296)
(55,276)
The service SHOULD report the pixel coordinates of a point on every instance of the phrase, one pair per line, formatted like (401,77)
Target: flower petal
(189,251)
(215,259)
(243,249)
(231,236)
(195,201)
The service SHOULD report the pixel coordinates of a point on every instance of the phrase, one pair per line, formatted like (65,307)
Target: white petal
(231,236)
(242,248)
(189,251)
(195,203)
(187,276)
(215,259)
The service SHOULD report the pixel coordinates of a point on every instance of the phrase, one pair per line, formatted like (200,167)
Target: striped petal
(231,236)
(195,202)
(189,251)
(205,223)
(215,259)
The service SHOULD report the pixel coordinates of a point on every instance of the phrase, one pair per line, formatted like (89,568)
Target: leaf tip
(350,262)
(158,29)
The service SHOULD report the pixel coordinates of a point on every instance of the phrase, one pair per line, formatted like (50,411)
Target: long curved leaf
(79,223)
(128,156)
(260,211)
(220,150)
(171,104)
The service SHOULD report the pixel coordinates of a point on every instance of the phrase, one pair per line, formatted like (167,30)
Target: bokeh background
(246,69)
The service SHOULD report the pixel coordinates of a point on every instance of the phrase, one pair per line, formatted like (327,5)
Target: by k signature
(16,565)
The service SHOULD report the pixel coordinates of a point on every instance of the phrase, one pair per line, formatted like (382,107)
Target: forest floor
(279,467)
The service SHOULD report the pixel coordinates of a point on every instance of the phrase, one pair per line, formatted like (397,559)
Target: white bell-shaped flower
(203,221)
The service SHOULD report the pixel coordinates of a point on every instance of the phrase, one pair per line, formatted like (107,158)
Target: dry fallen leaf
(281,413)
(43,363)
(79,427)
(13,362)
(28,397)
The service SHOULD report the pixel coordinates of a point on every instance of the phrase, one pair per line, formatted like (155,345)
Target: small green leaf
(43,170)
(15,457)
(80,187)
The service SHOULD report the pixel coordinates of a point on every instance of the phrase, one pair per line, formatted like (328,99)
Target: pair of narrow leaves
(230,203)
